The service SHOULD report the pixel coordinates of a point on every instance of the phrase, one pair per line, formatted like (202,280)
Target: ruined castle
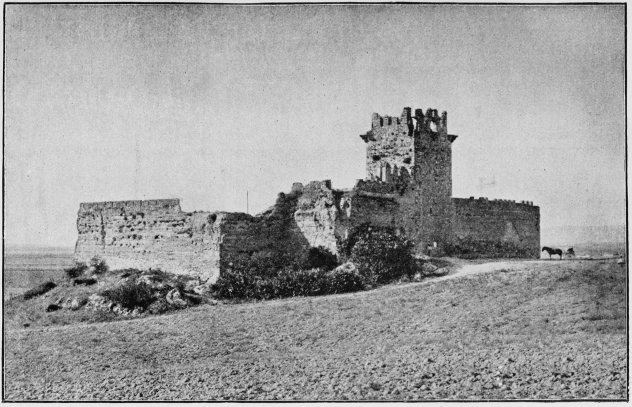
(408,188)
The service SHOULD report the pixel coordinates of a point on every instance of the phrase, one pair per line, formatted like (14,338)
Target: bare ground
(503,330)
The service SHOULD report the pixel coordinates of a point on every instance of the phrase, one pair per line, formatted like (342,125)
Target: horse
(552,251)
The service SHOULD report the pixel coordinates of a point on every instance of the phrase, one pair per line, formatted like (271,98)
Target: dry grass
(23,271)
(538,330)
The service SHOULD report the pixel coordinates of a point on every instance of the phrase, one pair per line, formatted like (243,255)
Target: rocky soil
(524,330)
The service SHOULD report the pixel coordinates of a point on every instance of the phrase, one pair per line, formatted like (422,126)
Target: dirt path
(473,269)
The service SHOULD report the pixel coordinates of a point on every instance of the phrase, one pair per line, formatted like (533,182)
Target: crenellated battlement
(385,121)
(429,122)
(151,204)
(486,201)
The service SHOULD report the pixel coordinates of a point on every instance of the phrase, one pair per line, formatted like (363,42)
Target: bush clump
(242,284)
(131,294)
(84,281)
(345,280)
(53,308)
(319,257)
(98,265)
(39,290)
(77,270)
(381,255)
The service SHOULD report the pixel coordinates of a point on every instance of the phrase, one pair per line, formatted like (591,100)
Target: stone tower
(433,176)
(414,154)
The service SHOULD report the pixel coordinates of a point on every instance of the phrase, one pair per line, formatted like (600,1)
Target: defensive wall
(158,234)
(408,188)
(504,221)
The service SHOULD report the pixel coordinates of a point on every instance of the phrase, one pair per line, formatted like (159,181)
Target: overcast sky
(206,102)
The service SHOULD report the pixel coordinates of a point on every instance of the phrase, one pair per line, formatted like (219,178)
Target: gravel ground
(528,330)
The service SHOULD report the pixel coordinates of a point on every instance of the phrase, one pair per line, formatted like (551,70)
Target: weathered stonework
(499,221)
(408,187)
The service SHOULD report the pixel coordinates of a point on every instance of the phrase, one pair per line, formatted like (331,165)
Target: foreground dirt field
(525,330)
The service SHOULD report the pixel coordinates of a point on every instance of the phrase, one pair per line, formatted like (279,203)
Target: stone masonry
(408,187)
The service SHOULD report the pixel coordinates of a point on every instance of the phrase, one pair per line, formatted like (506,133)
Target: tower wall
(433,179)
(414,154)
(390,147)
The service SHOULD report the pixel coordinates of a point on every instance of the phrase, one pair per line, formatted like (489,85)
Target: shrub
(344,280)
(131,295)
(157,275)
(124,273)
(380,255)
(84,281)
(239,283)
(292,283)
(233,283)
(39,290)
(261,263)
(319,257)
(52,308)
(98,265)
(160,306)
(77,270)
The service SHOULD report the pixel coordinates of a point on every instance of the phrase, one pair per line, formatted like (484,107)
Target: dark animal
(552,251)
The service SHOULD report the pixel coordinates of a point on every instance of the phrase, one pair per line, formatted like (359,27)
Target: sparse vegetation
(319,257)
(84,281)
(77,270)
(39,290)
(98,265)
(131,294)
(52,308)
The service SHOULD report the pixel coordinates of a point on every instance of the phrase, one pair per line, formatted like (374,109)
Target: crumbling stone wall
(325,215)
(498,221)
(144,234)
(408,187)
(317,214)
(158,234)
